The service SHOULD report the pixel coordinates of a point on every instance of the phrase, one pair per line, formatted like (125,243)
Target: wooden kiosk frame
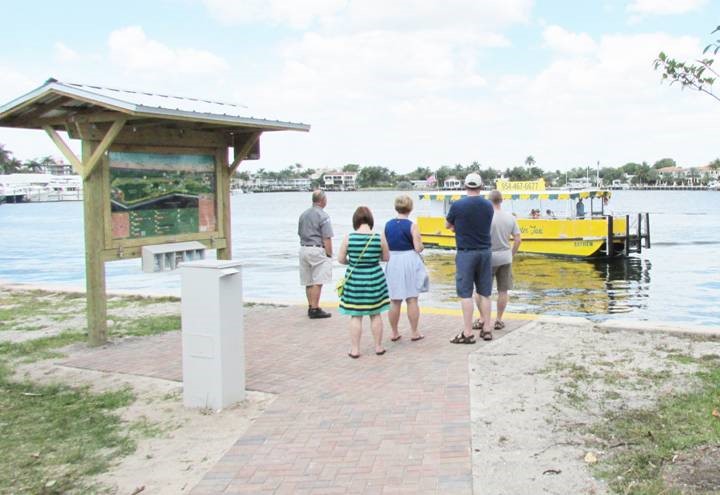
(108,120)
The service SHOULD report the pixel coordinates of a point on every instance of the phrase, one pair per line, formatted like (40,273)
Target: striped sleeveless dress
(366,291)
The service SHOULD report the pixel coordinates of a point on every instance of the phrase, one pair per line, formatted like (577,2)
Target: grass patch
(145,326)
(52,437)
(652,438)
(42,348)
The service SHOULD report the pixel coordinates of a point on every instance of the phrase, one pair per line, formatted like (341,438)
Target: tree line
(379,176)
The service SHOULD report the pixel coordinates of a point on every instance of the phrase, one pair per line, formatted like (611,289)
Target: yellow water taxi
(552,222)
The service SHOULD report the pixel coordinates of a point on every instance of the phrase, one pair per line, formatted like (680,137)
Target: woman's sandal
(499,325)
(354,356)
(395,339)
(462,339)
(477,324)
(380,353)
(486,335)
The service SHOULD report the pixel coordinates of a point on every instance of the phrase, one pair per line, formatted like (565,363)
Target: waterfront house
(452,182)
(340,181)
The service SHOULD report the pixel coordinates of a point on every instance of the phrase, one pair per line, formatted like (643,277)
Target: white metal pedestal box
(213,341)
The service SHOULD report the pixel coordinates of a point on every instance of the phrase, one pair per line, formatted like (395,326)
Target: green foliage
(678,424)
(54,436)
(665,162)
(699,76)
(375,176)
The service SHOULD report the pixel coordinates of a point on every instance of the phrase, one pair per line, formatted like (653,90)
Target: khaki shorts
(504,277)
(315,266)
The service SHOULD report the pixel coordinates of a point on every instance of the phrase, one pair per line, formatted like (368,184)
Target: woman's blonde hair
(403,204)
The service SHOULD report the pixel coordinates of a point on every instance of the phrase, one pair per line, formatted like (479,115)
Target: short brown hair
(363,215)
(495,197)
(403,204)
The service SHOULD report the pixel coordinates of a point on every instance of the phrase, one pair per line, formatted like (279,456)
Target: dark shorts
(473,269)
(504,277)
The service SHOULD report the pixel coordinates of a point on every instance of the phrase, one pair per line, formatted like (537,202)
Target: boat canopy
(518,195)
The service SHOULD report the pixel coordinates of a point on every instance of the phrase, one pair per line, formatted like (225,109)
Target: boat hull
(556,237)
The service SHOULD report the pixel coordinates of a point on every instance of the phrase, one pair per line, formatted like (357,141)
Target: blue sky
(394,83)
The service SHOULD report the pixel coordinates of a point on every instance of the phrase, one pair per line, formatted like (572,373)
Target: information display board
(158,194)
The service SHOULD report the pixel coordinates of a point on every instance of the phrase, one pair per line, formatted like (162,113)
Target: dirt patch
(175,446)
(695,472)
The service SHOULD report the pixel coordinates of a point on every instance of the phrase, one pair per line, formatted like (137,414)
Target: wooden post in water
(609,246)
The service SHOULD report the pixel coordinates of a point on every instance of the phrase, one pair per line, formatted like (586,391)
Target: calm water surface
(678,279)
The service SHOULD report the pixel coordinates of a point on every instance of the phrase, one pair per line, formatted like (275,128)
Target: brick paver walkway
(398,423)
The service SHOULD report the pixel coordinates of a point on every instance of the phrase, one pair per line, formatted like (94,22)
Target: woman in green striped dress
(365,292)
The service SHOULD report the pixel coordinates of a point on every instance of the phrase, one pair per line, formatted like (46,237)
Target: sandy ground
(185,444)
(535,392)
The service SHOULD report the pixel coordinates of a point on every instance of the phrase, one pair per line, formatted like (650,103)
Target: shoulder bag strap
(352,269)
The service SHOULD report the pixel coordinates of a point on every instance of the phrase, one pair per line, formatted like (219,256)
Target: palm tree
(530,161)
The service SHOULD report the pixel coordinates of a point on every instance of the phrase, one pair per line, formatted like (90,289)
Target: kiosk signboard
(159,195)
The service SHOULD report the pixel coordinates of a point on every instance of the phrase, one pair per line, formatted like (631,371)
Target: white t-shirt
(503,227)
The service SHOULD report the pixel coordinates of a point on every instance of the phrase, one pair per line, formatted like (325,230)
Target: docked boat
(576,223)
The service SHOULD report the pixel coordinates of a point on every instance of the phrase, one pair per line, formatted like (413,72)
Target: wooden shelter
(183,145)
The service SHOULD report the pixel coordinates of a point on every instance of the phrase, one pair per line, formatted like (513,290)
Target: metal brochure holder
(212,334)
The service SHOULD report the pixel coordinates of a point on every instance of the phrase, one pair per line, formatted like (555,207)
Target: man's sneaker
(314,313)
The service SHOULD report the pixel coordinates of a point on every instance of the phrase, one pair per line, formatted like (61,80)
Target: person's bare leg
(313,295)
(355,333)
(476,297)
(485,313)
(413,314)
(502,302)
(394,318)
(467,310)
(376,324)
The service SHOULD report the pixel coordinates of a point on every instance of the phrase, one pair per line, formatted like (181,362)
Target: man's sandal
(486,335)
(477,324)
(499,325)
(462,339)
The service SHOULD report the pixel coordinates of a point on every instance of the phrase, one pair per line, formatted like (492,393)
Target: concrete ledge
(679,328)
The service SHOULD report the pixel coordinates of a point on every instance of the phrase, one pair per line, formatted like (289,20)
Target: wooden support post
(65,149)
(89,163)
(639,233)
(609,240)
(94,243)
(647,230)
(224,175)
(241,150)
(627,235)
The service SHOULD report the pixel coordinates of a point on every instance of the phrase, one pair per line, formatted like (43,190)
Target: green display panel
(158,194)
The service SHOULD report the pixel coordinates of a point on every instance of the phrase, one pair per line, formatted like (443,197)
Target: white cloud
(64,53)
(133,51)
(561,40)
(375,14)
(291,12)
(664,7)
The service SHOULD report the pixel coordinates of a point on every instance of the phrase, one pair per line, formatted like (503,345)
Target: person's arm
(327,244)
(342,253)
(517,239)
(385,248)
(417,239)
(450,219)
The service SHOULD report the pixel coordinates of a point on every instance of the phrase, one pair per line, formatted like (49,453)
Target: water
(677,280)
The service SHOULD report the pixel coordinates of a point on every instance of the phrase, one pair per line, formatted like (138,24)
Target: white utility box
(164,257)
(213,341)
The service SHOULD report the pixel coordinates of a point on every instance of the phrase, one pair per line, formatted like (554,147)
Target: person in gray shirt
(503,228)
(315,232)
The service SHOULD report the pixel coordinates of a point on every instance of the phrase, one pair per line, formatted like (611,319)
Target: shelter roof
(56,103)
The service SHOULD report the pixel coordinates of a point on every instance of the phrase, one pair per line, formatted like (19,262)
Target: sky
(393,83)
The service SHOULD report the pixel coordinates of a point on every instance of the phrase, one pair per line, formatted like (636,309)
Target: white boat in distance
(20,188)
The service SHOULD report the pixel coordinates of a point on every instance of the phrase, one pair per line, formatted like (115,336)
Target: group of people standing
(482,232)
